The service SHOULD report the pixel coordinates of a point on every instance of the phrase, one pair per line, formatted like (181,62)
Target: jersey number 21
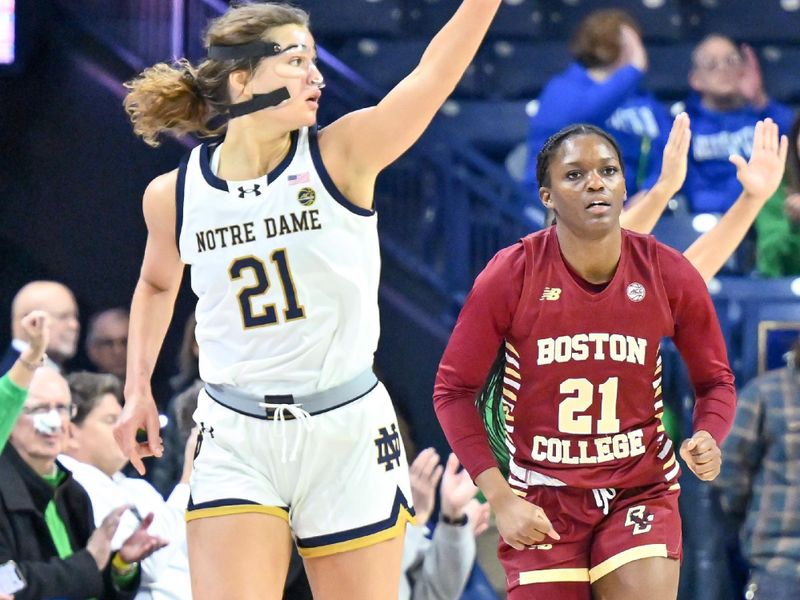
(268,314)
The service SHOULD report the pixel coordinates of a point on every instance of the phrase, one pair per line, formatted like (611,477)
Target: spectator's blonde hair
(183,98)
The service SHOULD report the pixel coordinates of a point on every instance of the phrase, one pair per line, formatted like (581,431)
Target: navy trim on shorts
(319,166)
(359,532)
(225,502)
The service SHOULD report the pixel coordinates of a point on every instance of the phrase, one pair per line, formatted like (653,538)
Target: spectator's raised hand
(477,516)
(457,489)
(36,327)
(632,50)
(141,543)
(676,155)
(99,544)
(424,473)
(751,82)
(762,174)
(791,207)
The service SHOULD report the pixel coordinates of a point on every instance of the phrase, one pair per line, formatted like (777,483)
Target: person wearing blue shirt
(728,99)
(603,87)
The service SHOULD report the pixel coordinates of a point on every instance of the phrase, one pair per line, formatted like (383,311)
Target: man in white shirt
(96,461)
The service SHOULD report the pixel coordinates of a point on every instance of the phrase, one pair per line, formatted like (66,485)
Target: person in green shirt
(778,223)
(46,523)
(14,384)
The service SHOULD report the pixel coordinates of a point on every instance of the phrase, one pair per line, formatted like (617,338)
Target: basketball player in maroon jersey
(578,310)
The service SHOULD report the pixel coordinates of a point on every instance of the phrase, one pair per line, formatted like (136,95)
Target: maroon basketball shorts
(601,530)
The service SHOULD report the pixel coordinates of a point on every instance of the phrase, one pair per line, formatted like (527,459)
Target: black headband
(251,50)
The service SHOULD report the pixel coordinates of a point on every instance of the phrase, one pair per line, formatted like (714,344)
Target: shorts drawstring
(299,414)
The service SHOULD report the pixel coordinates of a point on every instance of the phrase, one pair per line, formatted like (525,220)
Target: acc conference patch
(306,196)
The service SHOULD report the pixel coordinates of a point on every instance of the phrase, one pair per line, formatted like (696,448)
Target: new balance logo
(256,190)
(388,444)
(640,519)
(551,294)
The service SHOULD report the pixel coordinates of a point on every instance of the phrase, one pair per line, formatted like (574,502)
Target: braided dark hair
(555,141)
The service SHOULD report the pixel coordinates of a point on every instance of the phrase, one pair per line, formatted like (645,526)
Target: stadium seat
(769,327)
(519,70)
(515,18)
(493,126)
(338,20)
(779,65)
(765,21)
(385,62)
(668,74)
(662,21)
(675,229)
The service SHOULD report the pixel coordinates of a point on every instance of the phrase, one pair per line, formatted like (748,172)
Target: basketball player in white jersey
(277,223)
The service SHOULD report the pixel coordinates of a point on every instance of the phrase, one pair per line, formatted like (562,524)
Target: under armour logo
(253,190)
(551,294)
(388,447)
(204,429)
(640,519)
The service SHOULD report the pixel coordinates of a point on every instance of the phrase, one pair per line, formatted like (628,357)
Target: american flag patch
(299,178)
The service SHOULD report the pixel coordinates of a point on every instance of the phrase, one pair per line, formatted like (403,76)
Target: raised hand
(702,455)
(477,516)
(632,50)
(99,544)
(676,155)
(424,473)
(141,543)
(36,327)
(457,489)
(762,174)
(751,82)
(139,412)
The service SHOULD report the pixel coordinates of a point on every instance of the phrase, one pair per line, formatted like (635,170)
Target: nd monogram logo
(640,519)
(388,444)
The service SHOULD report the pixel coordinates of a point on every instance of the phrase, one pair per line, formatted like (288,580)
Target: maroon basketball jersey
(582,382)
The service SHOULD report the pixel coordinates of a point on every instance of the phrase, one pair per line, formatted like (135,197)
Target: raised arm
(151,313)
(644,213)
(359,145)
(760,177)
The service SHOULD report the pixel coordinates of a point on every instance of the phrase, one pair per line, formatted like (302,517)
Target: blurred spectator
(728,98)
(45,515)
(439,567)
(95,460)
(165,472)
(14,384)
(603,87)
(778,223)
(759,484)
(56,300)
(107,341)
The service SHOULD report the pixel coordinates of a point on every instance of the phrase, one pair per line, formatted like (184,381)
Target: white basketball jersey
(286,273)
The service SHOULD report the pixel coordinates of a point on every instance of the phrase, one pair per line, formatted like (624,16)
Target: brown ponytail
(183,98)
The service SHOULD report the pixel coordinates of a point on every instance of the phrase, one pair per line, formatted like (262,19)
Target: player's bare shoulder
(158,203)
